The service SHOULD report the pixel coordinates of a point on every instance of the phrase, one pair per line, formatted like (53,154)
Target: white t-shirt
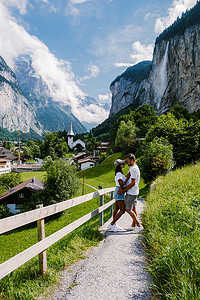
(135,173)
(118,176)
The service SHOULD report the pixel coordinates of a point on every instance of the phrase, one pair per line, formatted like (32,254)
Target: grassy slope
(172,234)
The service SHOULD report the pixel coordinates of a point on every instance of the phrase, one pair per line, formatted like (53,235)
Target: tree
(61,182)
(9,180)
(144,117)
(157,159)
(92,145)
(180,112)
(53,146)
(183,135)
(126,134)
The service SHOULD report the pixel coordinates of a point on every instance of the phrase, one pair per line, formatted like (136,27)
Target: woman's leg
(121,211)
(115,209)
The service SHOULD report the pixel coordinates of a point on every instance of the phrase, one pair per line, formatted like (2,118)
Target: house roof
(33,184)
(4,159)
(5,153)
(79,155)
(86,159)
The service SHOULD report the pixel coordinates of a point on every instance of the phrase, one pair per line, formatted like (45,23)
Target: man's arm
(128,187)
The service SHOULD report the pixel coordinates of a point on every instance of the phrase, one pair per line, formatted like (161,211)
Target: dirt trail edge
(113,270)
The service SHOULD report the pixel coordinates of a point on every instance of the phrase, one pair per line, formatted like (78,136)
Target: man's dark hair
(131,156)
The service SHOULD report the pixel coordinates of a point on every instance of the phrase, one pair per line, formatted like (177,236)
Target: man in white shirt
(132,191)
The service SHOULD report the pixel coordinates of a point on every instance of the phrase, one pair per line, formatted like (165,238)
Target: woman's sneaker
(138,228)
(118,227)
(112,227)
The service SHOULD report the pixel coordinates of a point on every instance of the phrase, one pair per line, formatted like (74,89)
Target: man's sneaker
(130,228)
(138,228)
(118,227)
(112,227)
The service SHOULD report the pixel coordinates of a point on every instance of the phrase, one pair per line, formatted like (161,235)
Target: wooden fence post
(111,207)
(101,214)
(41,236)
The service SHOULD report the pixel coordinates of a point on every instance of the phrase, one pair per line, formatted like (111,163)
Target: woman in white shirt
(120,181)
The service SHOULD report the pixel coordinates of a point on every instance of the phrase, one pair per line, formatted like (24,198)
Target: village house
(20,194)
(7,154)
(87,162)
(5,166)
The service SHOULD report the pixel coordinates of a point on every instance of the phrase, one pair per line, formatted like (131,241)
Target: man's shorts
(130,201)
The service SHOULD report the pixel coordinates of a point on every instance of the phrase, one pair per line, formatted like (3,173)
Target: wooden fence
(39,214)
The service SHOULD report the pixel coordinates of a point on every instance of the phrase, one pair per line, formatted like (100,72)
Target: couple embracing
(129,185)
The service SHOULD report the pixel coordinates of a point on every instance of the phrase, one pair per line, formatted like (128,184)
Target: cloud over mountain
(56,73)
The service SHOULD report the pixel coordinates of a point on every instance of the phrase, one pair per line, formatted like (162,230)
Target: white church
(77,143)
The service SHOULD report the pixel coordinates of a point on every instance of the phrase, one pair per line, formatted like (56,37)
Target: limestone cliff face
(16,113)
(174,77)
(183,71)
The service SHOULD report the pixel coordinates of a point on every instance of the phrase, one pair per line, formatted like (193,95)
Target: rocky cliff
(172,78)
(15,110)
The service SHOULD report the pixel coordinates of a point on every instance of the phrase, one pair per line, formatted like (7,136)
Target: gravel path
(113,270)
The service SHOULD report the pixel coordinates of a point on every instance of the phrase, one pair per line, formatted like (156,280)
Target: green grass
(172,234)
(28,175)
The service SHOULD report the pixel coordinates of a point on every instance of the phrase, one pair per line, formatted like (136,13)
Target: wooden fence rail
(39,214)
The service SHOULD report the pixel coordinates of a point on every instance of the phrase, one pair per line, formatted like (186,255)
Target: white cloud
(92,71)
(19,4)
(178,7)
(121,65)
(73,8)
(95,114)
(53,8)
(141,52)
(15,41)
(106,98)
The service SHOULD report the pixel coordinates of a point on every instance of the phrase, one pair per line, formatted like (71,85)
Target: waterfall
(161,82)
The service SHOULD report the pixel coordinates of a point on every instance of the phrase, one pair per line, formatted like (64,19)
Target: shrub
(157,159)
(9,180)
(183,135)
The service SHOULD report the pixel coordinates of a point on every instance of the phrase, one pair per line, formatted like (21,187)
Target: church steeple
(70,136)
(70,133)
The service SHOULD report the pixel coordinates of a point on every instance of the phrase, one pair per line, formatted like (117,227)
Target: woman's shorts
(117,196)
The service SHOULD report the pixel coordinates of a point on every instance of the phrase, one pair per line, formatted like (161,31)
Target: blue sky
(78,47)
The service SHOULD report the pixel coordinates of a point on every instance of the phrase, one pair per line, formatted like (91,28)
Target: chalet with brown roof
(20,193)
(87,162)
(7,154)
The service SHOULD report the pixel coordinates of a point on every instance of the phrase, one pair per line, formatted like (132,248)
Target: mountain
(51,114)
(16,112)
(173,76)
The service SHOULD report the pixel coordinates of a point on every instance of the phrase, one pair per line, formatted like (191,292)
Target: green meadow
(172,234)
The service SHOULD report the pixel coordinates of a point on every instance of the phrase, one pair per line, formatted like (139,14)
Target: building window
(21,195)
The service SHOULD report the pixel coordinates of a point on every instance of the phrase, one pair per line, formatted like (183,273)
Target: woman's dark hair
(118,169)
